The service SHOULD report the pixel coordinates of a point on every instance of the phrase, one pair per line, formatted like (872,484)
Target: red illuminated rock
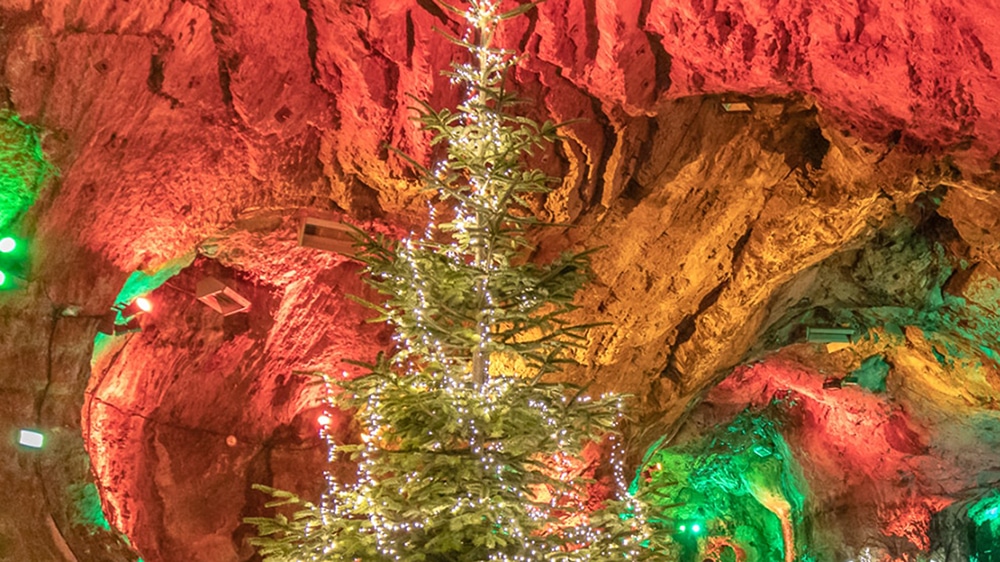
(159,422)
(186,127)
(875,470)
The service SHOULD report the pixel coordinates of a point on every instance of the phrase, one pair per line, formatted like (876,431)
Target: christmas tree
(467,452)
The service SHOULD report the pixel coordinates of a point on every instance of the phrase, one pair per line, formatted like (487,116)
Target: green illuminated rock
(23,167)
(872,373)
(987,511)
(88,507)
(740,481)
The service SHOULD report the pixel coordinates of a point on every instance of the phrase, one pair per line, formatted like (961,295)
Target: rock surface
(185,128)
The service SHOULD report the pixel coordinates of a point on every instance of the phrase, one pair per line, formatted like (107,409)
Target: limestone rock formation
(190,136)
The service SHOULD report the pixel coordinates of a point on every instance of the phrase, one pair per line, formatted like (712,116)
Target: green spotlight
(696,528)
(13,262)
(682,528)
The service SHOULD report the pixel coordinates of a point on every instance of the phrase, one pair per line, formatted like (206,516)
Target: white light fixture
(31,438)
(220,297)
(829,335)
(736,107)
(327,235)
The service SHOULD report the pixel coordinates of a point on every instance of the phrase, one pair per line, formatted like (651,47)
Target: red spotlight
(323,419)
(141,304)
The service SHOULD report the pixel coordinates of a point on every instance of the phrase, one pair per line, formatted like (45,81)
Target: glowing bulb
(7,245)
(696,528)
(144,304)
(682,528)
(324,419)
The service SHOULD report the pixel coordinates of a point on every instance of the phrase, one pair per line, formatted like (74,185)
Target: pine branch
(459,460)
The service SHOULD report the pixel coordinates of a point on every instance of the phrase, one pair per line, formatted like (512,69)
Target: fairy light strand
(427,361)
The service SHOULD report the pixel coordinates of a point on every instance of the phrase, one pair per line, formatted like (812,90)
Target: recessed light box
(327,235)
(829,335)
(30,438)
(736,107)
(220,297)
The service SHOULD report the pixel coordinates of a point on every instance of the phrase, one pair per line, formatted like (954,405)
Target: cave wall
(880,447)
(239,406)
(202,128)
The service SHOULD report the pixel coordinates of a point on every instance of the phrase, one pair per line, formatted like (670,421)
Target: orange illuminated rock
(208,128)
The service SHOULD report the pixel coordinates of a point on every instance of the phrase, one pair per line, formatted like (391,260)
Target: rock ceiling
(190,137)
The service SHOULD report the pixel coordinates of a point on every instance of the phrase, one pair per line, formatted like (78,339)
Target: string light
(542,505)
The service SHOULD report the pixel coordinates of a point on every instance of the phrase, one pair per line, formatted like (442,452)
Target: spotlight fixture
(327,235)
(109,325)
(736,107)
(124,318)
(137,306)
(30,438)
(220,297)
(323,419)
(13,262)
(831,383)
(130,326)
(834,339)
(693,528)
(70,310)
(829,335)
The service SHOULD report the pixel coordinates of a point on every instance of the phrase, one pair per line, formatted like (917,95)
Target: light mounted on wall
(111,326)
(13,262)
(693,528)
(124,318)
(327,235)
(30,438)
(834,339)
(220,297)
(736,107)
(137,306)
